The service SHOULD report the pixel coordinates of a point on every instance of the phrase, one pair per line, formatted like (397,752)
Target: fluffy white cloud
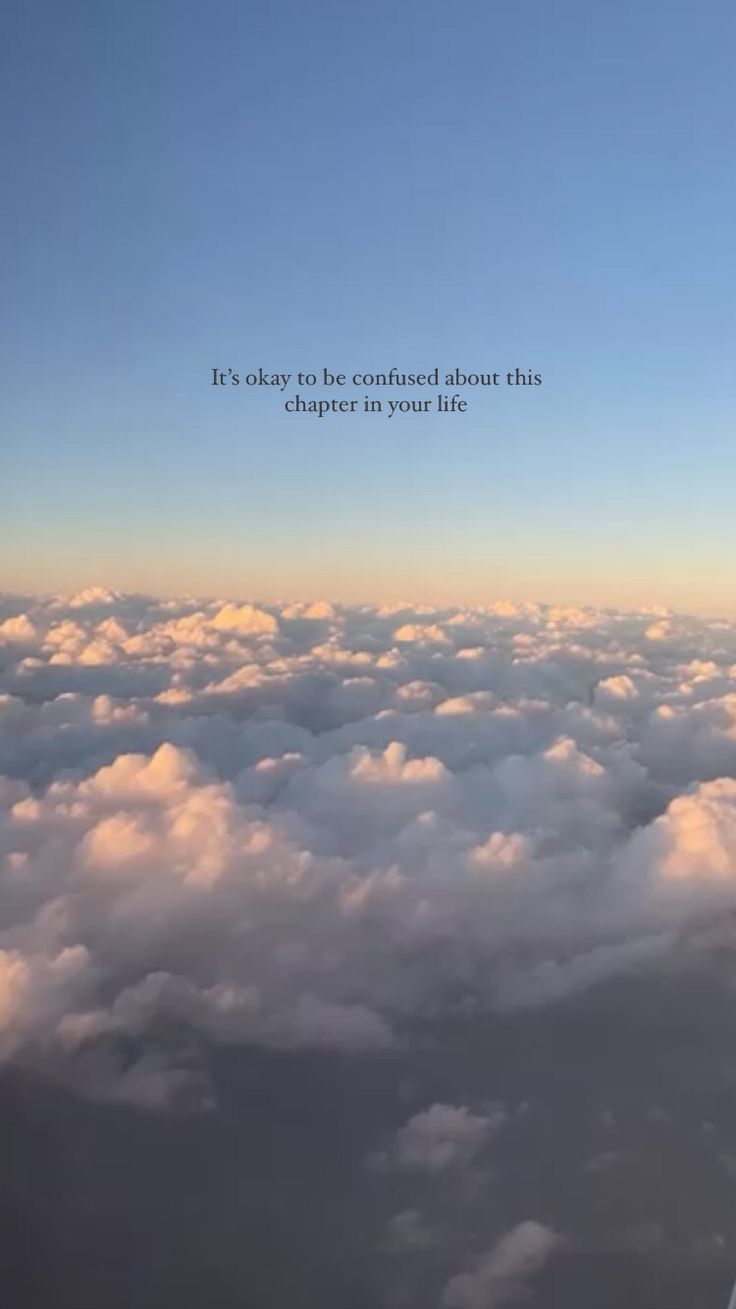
(694,841)
(19,628)
(246,620)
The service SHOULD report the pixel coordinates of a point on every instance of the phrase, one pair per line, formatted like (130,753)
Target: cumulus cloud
(444,1136)
(246,620)
(501,1275)
(19,628)
(694,841)
(320,826)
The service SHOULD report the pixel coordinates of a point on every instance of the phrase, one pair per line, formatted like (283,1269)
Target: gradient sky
(475,184)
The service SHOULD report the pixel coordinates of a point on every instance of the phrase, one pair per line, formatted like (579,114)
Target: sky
(292,186)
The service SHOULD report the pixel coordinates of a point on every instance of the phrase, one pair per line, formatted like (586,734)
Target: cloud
(93,595)
(245,620)
(408,1231)
(315,828)
(444,1136)
(501,1275)
(19,628)
(432,634)
(694,840)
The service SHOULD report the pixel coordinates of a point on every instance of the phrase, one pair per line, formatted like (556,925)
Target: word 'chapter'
(304,401)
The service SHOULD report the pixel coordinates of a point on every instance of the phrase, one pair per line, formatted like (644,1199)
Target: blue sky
(472,184)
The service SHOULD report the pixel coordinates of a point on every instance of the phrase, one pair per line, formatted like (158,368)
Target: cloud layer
(440,865)
(312,826)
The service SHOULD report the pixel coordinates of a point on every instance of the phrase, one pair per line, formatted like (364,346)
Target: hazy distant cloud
(501,1276)
(407,1231)
(442,1137)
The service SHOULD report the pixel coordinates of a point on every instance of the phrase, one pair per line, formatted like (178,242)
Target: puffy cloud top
(246,620)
